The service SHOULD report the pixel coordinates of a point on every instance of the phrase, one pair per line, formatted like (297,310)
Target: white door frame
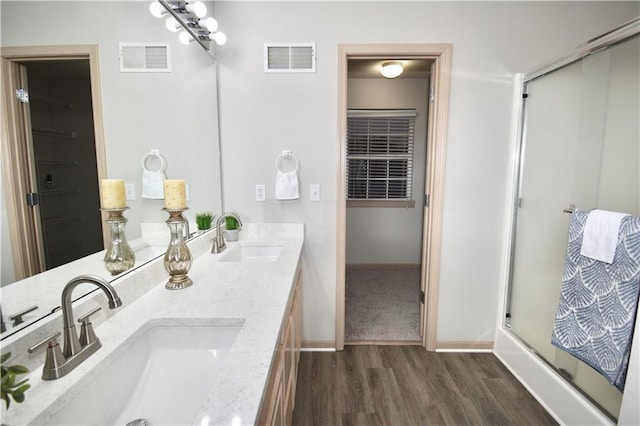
(436,156)
(24,229)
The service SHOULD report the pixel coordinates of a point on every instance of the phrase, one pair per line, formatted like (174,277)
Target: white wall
(262,114)
(390,235)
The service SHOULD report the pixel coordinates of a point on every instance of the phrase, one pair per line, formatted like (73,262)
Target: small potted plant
(204,220)
(11,388)
(232,227)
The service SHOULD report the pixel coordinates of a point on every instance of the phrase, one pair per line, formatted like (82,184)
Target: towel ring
(286,154)
(152,154)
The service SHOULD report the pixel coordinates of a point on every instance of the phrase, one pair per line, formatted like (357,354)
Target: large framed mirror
(174,112)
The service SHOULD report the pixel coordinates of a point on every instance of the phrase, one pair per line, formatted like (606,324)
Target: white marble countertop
(254,292)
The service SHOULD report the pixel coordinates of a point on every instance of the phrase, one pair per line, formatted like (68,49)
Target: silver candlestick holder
(119,257)
(177,259)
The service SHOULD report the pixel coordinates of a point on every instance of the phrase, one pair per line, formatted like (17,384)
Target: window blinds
(380,154)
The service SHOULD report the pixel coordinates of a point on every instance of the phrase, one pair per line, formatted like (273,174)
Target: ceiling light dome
(391,69)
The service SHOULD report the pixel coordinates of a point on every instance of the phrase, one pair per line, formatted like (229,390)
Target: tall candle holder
(177,259)
(119,257)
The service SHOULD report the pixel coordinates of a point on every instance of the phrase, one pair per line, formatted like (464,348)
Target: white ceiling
(370,68)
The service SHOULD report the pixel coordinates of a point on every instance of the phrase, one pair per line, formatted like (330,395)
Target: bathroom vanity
(236,334)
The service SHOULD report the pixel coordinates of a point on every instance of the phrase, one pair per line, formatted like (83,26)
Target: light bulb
(391,69)
(157,10)
(209,23)
(220,38)
(197,8)
(185,38)
(172,24)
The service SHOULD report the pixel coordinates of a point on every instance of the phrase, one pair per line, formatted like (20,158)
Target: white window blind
(380,154)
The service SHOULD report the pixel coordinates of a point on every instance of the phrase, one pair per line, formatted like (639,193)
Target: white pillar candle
(175,196)
(113,194)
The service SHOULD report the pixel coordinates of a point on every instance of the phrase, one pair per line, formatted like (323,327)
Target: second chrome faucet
(218,241)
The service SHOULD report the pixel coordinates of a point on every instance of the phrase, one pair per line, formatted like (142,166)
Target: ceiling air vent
(290,57)
(144,57)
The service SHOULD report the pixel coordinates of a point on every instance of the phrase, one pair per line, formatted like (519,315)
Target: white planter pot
(232,234)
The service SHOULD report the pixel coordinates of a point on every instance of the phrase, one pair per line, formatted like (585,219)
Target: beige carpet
(382,303)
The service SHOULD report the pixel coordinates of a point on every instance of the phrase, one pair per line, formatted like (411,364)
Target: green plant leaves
(11,389)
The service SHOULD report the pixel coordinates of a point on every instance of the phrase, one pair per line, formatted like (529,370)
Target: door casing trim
(436,159)
(22,227)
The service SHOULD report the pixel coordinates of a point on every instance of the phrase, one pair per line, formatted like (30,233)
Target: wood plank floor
(406,385)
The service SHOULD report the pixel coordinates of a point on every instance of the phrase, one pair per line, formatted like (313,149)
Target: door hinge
(422,296)
(518,203)
(525,95)
(432,94)
(22,95)
(426,200)
(32,198)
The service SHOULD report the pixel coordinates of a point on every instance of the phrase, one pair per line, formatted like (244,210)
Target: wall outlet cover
(261,192)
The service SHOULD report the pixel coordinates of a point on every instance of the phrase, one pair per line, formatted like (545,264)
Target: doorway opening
(53,155)
(427,250)
(386,174)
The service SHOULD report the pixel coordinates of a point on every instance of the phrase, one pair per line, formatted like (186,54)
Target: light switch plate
(130,191)
(314,192)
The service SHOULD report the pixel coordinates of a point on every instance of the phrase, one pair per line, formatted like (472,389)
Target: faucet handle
(51,340)
(17,317)
(54,359)
(87,335)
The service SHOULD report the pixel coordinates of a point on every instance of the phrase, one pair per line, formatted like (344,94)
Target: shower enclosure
(580,148)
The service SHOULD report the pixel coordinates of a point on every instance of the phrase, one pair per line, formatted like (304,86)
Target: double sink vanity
(221,352)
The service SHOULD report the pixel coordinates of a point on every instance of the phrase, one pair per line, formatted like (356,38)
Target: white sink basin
(163,377)
(251,252)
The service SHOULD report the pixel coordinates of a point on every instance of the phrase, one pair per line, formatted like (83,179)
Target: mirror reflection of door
(62,159)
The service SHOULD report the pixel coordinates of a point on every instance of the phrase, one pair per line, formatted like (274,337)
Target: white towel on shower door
(601,235)
(287,186)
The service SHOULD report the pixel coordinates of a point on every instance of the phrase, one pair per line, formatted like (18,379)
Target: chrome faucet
(59,363)
(218,241)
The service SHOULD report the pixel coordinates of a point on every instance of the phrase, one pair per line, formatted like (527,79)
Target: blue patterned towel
(598,301)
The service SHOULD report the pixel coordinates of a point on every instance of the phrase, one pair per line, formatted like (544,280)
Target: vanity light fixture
(172,24)
(185,38)
(191,18)
(391,69)
(157,10)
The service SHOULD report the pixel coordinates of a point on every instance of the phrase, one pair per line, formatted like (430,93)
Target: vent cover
(144,57)
(290,57)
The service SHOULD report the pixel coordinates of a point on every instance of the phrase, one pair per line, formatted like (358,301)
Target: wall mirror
(174,112)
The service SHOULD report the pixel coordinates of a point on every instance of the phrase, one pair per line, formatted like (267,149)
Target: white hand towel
(601,235)
(153,184)
(287,186)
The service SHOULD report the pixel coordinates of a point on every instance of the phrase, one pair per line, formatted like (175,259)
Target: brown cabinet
(279,400)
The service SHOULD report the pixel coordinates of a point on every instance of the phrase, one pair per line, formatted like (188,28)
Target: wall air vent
(290,57)
(145,57)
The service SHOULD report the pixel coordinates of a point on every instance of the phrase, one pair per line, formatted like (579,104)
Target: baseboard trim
(318,345)
(383,343)
(462,346)
(382,265)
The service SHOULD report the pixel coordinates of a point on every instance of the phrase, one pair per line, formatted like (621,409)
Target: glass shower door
(580,149)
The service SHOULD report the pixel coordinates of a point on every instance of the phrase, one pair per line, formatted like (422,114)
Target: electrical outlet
(314,192)
(130,191)
(261,192)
